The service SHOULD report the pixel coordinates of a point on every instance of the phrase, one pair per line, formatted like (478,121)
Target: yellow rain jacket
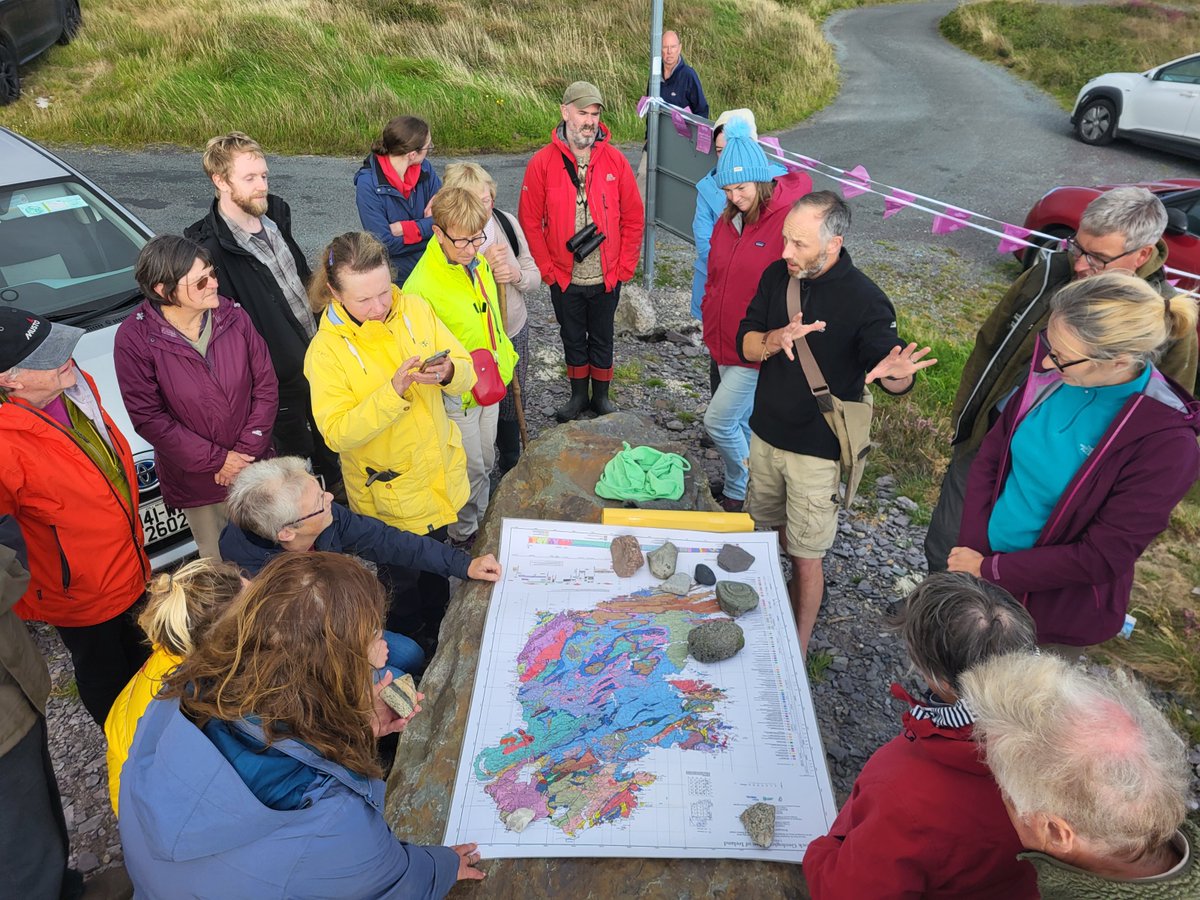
(409,442)
(128,709)
(463,302)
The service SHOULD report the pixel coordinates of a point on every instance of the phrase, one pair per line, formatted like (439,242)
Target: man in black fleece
(794,470)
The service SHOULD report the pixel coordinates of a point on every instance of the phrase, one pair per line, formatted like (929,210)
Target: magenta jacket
(191,409)
(1076,579)
(736,262)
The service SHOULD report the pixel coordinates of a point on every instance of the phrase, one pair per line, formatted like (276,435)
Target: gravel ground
(664,373)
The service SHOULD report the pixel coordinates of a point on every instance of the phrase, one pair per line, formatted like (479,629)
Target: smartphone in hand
(436,358)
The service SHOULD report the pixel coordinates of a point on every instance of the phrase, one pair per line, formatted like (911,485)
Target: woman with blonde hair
(507,252)
(459,285)
(378,375)
(1087,460)
(254,772)
(180,609)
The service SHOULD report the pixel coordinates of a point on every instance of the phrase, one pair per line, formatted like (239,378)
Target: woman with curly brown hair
(254,773)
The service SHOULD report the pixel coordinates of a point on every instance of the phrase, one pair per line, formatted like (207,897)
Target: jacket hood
(1157,260)
(213,227)
(147,322)
(246,549)
(952,747)
(370,167)
(790,187)
(191,802)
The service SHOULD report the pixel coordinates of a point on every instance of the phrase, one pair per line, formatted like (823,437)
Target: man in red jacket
(925,818)
(583,217)
(67,477)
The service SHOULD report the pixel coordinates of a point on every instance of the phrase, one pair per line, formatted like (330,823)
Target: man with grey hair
(1092,775)
(925,818)
(1120,230)
(794,454)
(277,505)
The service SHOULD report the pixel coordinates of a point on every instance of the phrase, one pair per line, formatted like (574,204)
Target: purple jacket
(1076,579)
(191,409)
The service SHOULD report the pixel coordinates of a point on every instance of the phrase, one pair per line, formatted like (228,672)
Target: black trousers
(295,434)
(33,832)
(585,323)
(417,601)
(105,657)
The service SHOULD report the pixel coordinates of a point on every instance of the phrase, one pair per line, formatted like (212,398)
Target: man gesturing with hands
(850,326)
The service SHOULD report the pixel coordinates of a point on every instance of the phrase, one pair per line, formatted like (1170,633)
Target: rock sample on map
(401,695)
(704,575)
(736,598)
(626,555)
(679,584)
(662,560)
(759,822)
(733,558)
(518,820)
(714,641)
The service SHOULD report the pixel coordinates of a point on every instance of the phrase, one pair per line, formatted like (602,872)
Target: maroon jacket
(1075,580)
(736,263)
(193,410)
(924,819)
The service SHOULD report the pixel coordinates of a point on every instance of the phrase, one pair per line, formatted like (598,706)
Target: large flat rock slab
(555,479)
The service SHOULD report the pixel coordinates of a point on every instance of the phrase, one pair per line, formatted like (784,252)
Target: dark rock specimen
(704,575)
(714,641)
(626,555)
(733,558)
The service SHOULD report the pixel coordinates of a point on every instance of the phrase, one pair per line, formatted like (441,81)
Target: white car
(67,252)
(1159,107)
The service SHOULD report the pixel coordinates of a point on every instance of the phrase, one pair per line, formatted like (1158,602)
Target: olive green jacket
(1004,344)
(24,680)
(1059,881)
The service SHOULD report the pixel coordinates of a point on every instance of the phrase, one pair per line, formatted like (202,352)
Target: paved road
(916,111)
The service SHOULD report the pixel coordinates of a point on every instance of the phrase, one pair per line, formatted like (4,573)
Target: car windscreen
(64,251)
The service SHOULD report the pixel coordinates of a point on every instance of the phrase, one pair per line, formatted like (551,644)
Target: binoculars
(585,241)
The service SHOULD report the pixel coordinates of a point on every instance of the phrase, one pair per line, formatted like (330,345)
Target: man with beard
(248,234)
(583,218)
(851,331)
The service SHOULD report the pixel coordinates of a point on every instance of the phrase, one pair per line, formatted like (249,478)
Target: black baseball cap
(34,342)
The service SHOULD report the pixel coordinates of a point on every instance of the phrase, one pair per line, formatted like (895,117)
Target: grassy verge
(322,76)
(1059,48)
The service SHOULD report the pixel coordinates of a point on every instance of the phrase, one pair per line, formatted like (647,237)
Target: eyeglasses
(202,282)
(1058,364)
(321,509)
(428,149)
(1095,260)
(461,243)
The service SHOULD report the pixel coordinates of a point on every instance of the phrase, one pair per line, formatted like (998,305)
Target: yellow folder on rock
(685,519)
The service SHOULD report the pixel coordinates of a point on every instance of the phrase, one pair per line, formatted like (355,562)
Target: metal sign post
(656,27)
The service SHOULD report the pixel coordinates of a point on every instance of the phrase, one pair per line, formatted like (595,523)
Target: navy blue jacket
(351,533)
(683,89)
(380,204)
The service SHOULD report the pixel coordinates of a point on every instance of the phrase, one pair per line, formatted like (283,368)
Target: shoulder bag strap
(812,372)
(509,232)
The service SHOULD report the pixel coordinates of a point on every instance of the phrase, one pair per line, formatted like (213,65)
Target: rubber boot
(601,405)
(578,402)
(508,442)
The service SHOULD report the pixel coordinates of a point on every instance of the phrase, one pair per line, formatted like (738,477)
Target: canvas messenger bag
(850,420)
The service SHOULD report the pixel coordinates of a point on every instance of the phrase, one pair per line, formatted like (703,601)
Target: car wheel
(10,77)
(1033,253)
(1097,122)
(72,22)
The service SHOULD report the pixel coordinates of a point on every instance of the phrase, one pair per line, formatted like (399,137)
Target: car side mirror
(1177,221)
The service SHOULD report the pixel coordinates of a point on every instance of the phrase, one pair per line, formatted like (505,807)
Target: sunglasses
(320,509)
(1095,260)
(1058,364)
(202,282)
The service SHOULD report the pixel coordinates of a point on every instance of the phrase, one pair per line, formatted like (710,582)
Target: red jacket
(924,819)
(547,210)
(736,263)
(86,560)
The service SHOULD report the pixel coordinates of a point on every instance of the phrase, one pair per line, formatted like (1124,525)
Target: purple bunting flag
(1013,231)
(641,107)
(703,138)
(773,143)
(860,182)
(951,219)
(896,201)
(681,124)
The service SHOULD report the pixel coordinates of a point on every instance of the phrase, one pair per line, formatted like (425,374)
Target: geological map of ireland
(594,732)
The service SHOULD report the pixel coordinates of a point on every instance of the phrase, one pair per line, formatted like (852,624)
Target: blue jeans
(728,424)
(404,655)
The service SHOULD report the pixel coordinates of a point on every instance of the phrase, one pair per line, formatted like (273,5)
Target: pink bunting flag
(952,219)
(896,201)
(1174,282)
(703,138)
(860,182)
(1013,231)
(807,162)
(681,124)
(642,105)
(773,143)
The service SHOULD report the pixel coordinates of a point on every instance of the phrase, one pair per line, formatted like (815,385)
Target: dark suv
(30,27)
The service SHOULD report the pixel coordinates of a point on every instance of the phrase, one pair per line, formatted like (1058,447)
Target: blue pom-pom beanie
(743,159)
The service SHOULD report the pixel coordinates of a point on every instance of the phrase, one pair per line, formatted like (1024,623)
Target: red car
(1059,211)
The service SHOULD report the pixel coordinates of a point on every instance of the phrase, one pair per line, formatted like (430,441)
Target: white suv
(67,252)
(1159,107)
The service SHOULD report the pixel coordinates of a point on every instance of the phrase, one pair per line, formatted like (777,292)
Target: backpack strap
(509,231)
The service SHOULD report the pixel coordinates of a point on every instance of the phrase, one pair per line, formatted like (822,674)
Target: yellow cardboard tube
(677,518)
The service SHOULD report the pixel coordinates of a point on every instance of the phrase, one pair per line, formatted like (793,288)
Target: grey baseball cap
(582,94)
(34,342)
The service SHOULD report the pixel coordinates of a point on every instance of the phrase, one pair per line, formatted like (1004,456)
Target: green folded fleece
(643,473)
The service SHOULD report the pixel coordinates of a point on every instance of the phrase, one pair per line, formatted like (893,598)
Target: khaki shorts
(797,491)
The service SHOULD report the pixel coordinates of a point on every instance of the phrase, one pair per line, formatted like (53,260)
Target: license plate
(159,522)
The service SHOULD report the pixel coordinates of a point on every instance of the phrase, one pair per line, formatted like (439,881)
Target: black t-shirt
(860,330)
